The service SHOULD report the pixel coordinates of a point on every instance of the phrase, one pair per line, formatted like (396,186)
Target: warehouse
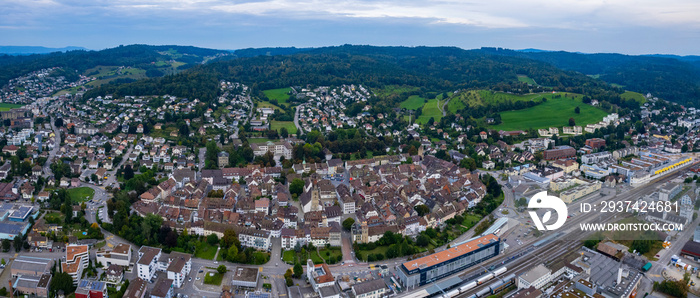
(433,267)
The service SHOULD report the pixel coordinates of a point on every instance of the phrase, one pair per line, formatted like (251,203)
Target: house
(114,274)
(223,157)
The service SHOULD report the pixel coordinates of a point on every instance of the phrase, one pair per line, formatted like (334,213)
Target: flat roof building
(30,266)
(245,277)
(433,267)
(33,285)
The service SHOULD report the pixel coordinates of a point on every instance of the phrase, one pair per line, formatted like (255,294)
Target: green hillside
(555,112)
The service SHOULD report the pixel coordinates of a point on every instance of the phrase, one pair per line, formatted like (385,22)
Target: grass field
(553,113)
(8,106)
(213,278)
(413,102)
(634,95)
(526,79)
(80,194)
(205,251)
(280,95)
(430,109)
(277,125)
(265,104)
(105,74)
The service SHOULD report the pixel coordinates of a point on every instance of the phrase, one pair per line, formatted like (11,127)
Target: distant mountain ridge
(28,50)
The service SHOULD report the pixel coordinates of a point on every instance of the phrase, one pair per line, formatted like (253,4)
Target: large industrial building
(421,271)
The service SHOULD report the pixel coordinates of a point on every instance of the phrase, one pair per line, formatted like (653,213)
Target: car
(190,279)
(198,278)
(201,271)
(216,262)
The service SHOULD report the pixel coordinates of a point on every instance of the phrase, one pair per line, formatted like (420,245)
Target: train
(493,288)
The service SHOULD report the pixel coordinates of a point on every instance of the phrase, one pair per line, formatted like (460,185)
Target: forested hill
(142,56)
(675,78)
(430,68)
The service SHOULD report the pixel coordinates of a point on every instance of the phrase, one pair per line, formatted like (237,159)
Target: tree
(62,281)
(221,269)
(232,253)
(298,270)
(572,122)
(422,209)
(230,238)
(296,187)
(213,239)
(128,172)
(108,147)
(284,133)
(17,243)
(58,122)
(6,245)
(347,223)
(577,110)
(423,240)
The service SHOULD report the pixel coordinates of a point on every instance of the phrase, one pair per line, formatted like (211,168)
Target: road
(296,120)
(54,151)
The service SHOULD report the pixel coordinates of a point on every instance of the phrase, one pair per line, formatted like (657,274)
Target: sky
(590,26)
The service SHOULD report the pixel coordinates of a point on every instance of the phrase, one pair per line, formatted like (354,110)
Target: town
(316,191)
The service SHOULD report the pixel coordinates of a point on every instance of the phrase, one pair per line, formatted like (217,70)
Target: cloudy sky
(623,26)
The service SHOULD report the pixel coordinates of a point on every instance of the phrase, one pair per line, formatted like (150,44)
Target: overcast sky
(622,26)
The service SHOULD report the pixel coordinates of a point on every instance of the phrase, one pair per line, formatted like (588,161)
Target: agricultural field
(394,89)
(553,113)
(634,95)
(280,95)
(277,125)
(526,79)
(430,109)
(413,102)
(8,106)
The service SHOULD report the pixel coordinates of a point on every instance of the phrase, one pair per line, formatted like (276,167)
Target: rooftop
(162,287)
(533,274)
(136,288)
(75,250)
(26,263)
(451,253)
(245,274)
(368,286)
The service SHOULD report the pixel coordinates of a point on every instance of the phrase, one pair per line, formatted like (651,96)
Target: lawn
(553,113)
(259,140)
(280,95)
(526,79)
(54,218)
(9,106)
(277,125)
(213,278)
(80,194)
(413,102)
(205,251)
(634,95)
(288,256)
(379,249)
(430,109)
(334,252)
(105,74)
(259,258)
